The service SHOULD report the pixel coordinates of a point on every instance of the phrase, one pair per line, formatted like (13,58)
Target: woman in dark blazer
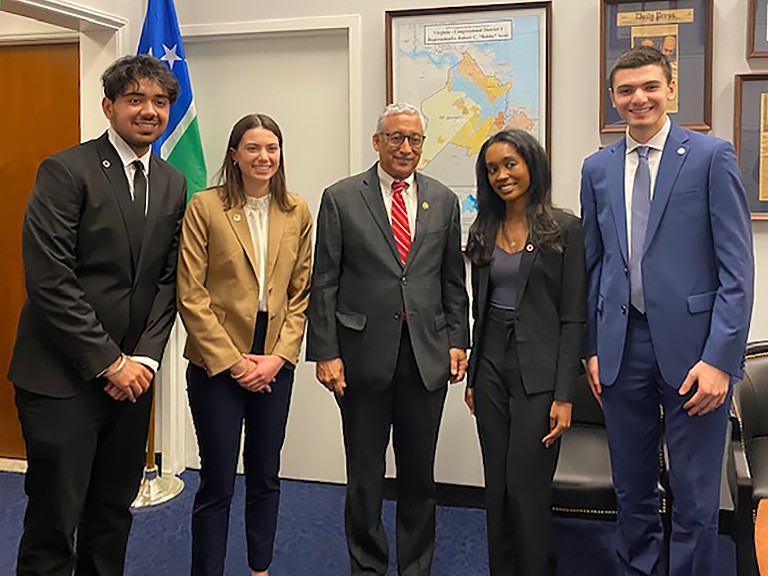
(243,288)
(529,306)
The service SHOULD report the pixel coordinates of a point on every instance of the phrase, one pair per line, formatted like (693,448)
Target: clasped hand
(130,381)
(256,372)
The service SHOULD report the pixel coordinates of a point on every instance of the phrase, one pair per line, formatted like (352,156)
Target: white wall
(575,134)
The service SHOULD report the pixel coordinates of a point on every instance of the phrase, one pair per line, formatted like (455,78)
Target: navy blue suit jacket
(698,267)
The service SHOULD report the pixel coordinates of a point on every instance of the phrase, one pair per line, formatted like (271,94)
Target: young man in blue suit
(670,279)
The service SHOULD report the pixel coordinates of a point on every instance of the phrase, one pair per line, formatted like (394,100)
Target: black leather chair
(748,481)
(583,485)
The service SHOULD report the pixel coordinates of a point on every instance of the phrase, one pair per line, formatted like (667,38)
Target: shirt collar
(386,180)
(125,152)
(656,142)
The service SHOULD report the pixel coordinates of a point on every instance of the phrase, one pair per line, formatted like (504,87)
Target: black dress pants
(413,414)
(518,468)
(219,407)
(85,458)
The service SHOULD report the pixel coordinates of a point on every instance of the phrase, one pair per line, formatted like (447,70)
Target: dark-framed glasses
(396,139)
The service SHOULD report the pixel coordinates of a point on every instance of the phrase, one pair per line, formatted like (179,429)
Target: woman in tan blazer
(243,286)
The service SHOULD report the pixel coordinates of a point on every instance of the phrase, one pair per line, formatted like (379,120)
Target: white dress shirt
(409,196)
(655,148)
(127,157)
(257,214)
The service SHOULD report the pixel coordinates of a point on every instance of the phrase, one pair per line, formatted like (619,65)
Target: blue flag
(180,144)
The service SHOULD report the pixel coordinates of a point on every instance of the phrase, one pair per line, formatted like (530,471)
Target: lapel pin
(106,163)
(529,247)
(681,151)
(425,205)
(236,218)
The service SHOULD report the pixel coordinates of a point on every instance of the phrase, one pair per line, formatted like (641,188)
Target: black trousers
(413,415)
(219,408)
(85,460)
(518,468)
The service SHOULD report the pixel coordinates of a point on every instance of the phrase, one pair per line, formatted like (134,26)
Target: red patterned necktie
(400,227)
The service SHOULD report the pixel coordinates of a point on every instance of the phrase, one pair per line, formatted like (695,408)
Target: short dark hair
(128,70)
(231,179)
(638,57)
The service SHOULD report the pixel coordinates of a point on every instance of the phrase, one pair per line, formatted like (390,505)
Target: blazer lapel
(113,169)
(371,193)
(615,185)
(424,202)
(530,253)
(672,159)
(239,222)
(277,220)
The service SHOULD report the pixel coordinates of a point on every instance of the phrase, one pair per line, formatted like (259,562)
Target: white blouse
(257,214)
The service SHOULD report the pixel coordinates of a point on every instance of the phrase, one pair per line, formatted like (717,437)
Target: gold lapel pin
(425,205)
(236,217)
(106,163)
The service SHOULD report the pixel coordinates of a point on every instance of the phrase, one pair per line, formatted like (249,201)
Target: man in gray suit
(388,330)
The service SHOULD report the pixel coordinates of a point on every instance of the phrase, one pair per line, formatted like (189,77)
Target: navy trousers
(219,408)
(695,444)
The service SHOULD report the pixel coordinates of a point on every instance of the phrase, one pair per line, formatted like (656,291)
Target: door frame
(103,38)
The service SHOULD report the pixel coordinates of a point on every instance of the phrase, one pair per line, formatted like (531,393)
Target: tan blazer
(218,289)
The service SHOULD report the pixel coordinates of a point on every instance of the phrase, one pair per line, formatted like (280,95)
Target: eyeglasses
(396,139)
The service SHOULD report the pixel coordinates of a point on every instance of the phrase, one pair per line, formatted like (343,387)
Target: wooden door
(40,113)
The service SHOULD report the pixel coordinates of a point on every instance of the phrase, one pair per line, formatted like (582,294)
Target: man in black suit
(99,241)
(388,318)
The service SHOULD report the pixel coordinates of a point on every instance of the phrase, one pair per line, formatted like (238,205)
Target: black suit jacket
(551,312)
(89,298)
(360,288)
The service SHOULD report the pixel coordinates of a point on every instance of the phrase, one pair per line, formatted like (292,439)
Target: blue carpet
(310,539)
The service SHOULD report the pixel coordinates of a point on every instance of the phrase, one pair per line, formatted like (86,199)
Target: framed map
(682,31)
(750,139)
(472,70)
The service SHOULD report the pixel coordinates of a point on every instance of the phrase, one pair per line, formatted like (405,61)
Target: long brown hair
(231,179)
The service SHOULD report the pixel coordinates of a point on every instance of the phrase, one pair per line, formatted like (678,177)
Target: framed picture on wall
(472,70)
(750,138)
(681,29)
(757,29)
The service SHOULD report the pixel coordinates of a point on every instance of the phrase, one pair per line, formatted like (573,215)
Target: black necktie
(138,212)
(139,189)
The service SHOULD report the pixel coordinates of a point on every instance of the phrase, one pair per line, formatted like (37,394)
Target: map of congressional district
(471,78)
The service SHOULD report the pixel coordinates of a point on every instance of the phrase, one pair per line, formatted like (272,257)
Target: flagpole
(155,489)
(180,146)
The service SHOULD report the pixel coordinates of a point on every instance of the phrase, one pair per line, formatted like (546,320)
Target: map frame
(447,17)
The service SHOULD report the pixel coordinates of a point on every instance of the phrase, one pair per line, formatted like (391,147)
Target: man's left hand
(458,364)
(712,388)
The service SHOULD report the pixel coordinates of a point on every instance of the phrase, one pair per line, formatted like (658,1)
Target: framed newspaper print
(682,30)
(472,71)
(750,138)
(757,29)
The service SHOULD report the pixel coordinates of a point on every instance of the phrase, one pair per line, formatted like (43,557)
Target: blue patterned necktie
(641,207)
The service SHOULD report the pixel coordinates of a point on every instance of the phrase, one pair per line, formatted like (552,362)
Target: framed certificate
(750,138)
(472,71)
(682,30)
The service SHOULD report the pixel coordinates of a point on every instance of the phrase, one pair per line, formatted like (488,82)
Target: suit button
(626,271)
(404,280)
(623,309)
(397,315)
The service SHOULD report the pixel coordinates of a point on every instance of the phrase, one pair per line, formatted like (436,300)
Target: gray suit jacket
(360,288)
